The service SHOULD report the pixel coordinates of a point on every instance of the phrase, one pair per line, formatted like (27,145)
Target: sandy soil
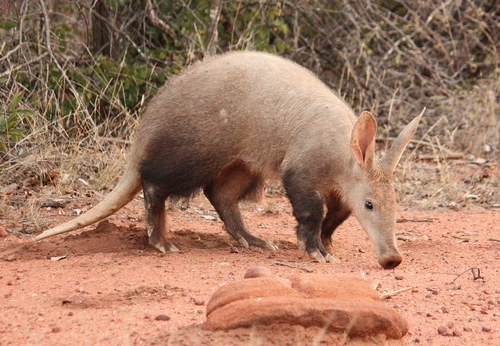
(105,286)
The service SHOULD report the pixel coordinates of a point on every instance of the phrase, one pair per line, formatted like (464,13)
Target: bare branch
(27,63)
(156,21)
(212,32)
(63,72)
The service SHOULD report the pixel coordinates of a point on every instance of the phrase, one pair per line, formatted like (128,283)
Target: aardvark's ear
(363,140)
(394,153)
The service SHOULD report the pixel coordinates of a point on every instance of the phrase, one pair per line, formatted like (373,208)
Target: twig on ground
(294,266)
(415,220)
(476,274)
(386,295)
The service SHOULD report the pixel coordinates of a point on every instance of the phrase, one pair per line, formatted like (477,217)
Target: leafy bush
(89,67)
(11,116)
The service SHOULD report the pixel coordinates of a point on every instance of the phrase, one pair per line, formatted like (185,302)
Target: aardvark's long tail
(126,189)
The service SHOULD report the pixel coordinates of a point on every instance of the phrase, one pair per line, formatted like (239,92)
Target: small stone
(445,310)
(399,277)
(258,271)
(56,329)
(457,333)
(487,329)
(198,302)
(70,313)
(450,325)
(468,329)
(162,318)
(443,330)
(435,292)
(428,314)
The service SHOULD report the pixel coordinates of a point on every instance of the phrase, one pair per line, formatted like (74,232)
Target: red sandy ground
(112,289)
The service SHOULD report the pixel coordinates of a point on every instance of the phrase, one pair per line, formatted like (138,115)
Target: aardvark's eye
(369,205)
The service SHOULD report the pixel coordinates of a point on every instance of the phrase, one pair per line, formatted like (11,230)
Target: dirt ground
(105,286)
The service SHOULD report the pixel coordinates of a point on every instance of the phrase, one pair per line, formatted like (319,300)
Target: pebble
(443,330)
(198,302)
(399,277)
(487,329)
(467,329)
(162,318)
(257,271)
(56,329)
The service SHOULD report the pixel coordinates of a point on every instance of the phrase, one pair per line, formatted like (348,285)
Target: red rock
(344,286)
(250,289)
(340,303)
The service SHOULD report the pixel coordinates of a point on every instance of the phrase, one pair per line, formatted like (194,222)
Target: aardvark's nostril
(391,262)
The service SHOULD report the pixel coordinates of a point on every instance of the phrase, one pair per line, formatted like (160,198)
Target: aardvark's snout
(390,261)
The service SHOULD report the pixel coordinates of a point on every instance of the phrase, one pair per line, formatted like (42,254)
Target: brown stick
(212,33)
(157,22)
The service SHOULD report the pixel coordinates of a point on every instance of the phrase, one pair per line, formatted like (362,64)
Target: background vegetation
(74,75)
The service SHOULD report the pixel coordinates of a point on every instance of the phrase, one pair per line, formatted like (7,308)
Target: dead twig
(294,266)
(385,295)
(447,153)
(415,220)
(212,33)
(21,66)
(476,274)
(60,68)
(157,22)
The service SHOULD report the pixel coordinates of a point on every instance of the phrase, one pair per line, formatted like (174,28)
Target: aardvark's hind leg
(156,222)
(234,184)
